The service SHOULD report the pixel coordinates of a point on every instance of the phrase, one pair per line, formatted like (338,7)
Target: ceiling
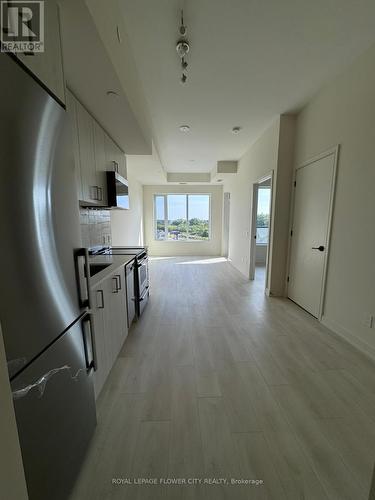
(90,78)
(147,169)
(250,60)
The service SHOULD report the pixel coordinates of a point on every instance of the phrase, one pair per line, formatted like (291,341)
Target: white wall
(163,248)
(273,151)
(127,225)
(343,113)
(257,162)
(12,478)
(278,255)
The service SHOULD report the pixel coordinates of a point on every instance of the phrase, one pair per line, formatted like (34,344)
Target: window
(182,217)
(263,215)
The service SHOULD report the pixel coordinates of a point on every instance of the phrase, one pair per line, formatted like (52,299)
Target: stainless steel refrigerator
(44,299)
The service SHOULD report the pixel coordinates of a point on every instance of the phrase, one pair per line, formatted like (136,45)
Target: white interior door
(310,233)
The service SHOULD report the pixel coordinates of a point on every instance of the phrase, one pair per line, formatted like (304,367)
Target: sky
(263,201)
(199,207)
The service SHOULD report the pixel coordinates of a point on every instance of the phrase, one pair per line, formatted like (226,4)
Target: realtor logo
(22,26)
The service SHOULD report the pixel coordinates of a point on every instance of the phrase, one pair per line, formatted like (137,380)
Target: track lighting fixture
(182,48)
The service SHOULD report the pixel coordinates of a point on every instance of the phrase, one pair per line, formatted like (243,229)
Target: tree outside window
(263,215)
(182,217)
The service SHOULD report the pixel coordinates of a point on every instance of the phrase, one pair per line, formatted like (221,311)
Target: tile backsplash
(95,227)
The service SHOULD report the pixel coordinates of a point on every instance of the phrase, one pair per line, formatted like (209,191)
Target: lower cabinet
(110,324)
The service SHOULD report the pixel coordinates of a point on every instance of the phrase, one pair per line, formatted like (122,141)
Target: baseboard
(276,293)
(349,337)
(237,270)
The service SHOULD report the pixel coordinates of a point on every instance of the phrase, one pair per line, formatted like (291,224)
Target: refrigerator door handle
(89,342)
(83,273)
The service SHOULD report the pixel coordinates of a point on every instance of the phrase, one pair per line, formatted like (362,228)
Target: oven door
(143,299)
(143,282)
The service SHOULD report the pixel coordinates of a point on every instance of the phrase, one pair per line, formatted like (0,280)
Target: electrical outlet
(368,320)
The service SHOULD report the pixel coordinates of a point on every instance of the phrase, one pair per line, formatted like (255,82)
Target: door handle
(116,285)
(89,343)
(83,276)
(100,292)
(321,248)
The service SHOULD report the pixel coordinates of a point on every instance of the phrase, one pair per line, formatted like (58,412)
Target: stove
(106,250)
(141,276)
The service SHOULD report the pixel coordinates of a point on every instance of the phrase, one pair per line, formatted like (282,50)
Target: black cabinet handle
(321,248)
(100,292)
(118,283)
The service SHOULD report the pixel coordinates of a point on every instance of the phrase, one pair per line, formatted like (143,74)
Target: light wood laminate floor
(219,381)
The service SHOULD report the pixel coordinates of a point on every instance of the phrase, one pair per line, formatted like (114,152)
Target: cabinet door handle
(116,289)
(99,293)
(94,190)
(119,281)
(100,193)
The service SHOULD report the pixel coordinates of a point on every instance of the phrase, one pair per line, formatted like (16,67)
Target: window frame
(165,196)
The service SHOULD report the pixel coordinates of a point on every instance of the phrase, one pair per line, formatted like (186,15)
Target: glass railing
(262,235)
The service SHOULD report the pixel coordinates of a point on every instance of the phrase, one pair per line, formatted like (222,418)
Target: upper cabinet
(100,163)
(90,70)
(95,153)
(71,107)
(115,158)
(47,66)
(85,125)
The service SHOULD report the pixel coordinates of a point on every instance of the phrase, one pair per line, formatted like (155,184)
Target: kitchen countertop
(114,262)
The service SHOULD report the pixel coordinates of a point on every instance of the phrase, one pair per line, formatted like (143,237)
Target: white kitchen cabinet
(118,313)
(122,163)
(115,157)
(85,125)
(110,324)
(95,153)
(100,163)
(71,109)
(47,66)
(110,154)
